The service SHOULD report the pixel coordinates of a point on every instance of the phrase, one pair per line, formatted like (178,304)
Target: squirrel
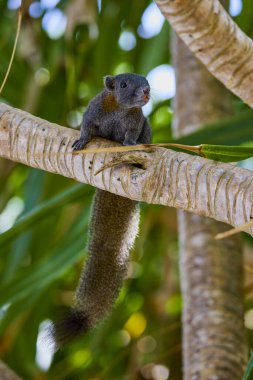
(115,114)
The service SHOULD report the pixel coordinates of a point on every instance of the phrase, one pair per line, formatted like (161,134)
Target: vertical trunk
(214,344)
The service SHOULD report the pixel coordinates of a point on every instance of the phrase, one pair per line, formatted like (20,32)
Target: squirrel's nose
(146,90)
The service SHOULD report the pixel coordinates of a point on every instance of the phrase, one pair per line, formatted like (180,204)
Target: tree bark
(221,191)
(213,37)
(214,342)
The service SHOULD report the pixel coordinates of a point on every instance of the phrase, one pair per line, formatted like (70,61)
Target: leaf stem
(117,149)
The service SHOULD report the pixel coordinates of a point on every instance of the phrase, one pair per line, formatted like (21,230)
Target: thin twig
(248,269)
(233,231)
(20,14)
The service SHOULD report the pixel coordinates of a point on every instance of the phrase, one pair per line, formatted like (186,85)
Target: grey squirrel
(115,114)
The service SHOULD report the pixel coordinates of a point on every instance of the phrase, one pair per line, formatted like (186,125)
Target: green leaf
(249,368)
(16,309)
(44,272)
(221,153)
(43,210)
(33,190)
(225,153)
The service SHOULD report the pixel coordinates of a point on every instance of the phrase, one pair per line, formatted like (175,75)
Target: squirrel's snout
(146,90)
(146,94)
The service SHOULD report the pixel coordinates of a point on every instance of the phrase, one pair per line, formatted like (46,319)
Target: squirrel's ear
(109,82)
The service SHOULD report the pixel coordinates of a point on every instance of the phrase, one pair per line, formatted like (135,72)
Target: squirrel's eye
(123,84)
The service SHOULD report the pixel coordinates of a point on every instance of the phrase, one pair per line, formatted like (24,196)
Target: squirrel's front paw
(129,142)
(78,144)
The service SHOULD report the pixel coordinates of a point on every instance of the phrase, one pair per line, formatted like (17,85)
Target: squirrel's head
(130,90)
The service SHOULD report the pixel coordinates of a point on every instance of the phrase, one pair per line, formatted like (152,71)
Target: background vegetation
(58,68)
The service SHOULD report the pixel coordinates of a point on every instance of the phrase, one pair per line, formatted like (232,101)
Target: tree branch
(211,34)
(6,373)
(205,187)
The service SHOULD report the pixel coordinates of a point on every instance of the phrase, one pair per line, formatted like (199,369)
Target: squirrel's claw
(78,144)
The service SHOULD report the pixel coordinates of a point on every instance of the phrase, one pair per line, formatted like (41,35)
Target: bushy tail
(113,229)
(72,326)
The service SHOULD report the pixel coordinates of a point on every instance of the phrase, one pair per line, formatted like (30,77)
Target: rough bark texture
(221,191)
(213,37)
(214,344)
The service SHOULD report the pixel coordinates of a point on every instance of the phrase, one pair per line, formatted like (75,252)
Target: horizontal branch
(212,35)
(221,191)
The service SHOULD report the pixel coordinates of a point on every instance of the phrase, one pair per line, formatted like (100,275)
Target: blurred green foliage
(42,255)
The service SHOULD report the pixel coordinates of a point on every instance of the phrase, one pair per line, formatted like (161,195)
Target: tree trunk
(214,344)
